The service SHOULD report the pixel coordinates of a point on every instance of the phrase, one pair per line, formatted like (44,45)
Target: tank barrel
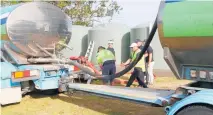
(28,24)
(186,40)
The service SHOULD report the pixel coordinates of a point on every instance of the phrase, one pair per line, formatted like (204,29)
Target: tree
(82,12)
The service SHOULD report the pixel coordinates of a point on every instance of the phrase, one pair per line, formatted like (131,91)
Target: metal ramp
(90,50)
(144,95)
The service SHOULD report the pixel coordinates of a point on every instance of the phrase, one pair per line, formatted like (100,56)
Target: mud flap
(10,95)
(143,95)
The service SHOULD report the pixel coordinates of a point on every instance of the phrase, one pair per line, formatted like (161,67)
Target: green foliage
(81,12)
(12,2)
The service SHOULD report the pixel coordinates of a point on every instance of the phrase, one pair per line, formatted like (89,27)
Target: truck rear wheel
(196,110)
(50,92)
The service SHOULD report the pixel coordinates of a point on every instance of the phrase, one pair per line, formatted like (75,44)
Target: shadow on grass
(10,104)
(92,102)
(101,104)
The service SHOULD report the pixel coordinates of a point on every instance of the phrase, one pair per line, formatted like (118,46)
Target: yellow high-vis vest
(141,63)
(104,55)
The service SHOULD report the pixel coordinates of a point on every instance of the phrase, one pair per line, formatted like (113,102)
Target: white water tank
(119,33)
(139,32)
(79,42)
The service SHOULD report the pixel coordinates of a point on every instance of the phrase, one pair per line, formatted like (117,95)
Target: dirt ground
(86,104)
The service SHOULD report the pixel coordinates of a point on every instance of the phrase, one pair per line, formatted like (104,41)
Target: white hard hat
(133,45)
(110,42)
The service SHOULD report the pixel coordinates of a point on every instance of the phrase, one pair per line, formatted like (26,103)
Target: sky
(136,12)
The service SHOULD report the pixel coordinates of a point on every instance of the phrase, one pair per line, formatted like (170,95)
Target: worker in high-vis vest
(106,60)
(139,69)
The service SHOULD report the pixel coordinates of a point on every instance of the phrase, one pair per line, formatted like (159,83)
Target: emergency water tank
(78,43)
(29,25)
(119,33)
(139,32)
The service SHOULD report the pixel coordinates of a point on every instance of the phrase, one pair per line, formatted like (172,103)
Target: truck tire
(196,110)
(49,92)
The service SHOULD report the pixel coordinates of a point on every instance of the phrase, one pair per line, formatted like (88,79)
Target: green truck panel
(188,19)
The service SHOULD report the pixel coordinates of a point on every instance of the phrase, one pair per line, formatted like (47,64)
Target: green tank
(186,34)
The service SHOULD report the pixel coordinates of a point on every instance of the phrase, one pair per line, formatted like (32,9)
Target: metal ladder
(90,50)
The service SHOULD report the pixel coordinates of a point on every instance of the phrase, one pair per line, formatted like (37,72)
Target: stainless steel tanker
(26,26)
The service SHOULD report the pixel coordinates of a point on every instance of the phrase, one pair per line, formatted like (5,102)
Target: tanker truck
(32,36)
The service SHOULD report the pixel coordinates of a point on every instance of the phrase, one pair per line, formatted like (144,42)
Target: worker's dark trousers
(108,69)
(146,73)
(139,75)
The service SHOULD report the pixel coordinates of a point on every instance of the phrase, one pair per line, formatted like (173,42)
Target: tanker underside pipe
(81,67)
(45,51)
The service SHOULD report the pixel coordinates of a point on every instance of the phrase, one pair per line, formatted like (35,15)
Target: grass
(168,83)
(159,82)
(86,104)
(78,104)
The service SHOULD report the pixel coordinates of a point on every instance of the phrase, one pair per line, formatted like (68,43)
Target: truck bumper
(10,95)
